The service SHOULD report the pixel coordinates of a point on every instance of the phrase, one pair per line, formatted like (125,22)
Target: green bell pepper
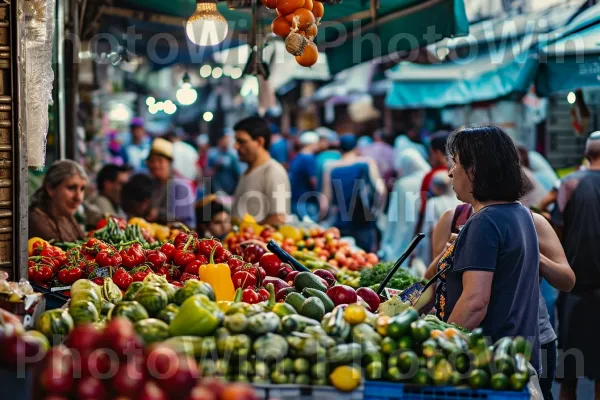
(197,316)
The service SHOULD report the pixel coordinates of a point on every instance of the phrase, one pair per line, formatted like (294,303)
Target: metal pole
(71,67)
(60,50)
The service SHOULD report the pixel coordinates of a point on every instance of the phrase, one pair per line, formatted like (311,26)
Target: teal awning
(571,59)
(486,77)
(401,25)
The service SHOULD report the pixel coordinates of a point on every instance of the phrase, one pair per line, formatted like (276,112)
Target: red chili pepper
(193,267)
(250,296)
(109,257)
(122,279)
(263,294)
(168,249)
(235,264)
(138,274)
(205,246)
(94,246)
(185,255)
(156,259)
(185,276)
(243,279)
(69,275)
(133,256)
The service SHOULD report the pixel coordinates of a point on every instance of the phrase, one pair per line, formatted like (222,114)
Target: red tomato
(108,257)
(270,263)
(243,279)
(151,391)
(69,275)
(193,267)
(133,256)
(250,296)
(122,279)
(168,249)
(156,259)
(91,388)
(263,294)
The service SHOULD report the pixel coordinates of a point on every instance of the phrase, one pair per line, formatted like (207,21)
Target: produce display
(297,22)
(234,312)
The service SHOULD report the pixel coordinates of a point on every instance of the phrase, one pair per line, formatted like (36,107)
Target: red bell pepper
(168,249)
(122,279)
(185,255)
(109,257)
(155,259)
(133,256)
(193,267)
(235,264)
(94,246)
(138,274)
(205,246)
(69,275)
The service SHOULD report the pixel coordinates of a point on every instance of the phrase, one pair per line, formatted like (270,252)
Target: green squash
(85,284)
(55,325)
(152,298)
(191,288)
(168,313)
(170,290)
(88,295)
(152,330)
(106,307)
(131,310)
(83,311)
(132,291)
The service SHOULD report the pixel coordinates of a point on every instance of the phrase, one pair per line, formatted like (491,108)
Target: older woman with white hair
(53,206)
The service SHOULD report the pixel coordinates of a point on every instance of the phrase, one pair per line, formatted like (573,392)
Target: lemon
(355,314)
(345,378)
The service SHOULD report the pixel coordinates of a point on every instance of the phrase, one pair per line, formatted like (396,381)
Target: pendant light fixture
(206,26)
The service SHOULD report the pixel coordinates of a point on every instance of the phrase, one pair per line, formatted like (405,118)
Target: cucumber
(336,326)
(296,323)
(260,324)
(327,302)
(296,300)
(520,345)
(503,361)
(344,354)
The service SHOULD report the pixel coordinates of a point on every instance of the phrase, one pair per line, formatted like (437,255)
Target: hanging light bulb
(206,26)
(186,94)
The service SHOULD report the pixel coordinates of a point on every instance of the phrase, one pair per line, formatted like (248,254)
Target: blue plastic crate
(389,391)
(304,392)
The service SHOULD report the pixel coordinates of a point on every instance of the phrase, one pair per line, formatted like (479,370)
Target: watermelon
(110,291)
(192,287)
(152,298)
(131,310)
(132,291)
(89,295)
(106,307)
(55,325)
(170,290)
(152,330)
(83,311)
(168,313)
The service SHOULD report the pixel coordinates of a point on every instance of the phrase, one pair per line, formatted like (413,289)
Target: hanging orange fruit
(302,19)
(318,10)
(308,4)
(269,3)
(286,7)
(309,56)
(311,32)
(281,27)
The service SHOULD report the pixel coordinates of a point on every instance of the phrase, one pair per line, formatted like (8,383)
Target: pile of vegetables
(315,248)
(104,364)
(372,277)
(427,351)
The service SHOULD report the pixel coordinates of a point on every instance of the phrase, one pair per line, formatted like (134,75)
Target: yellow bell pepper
(161,232)
(291,232)
(35,242)
(219,277)
(249,221)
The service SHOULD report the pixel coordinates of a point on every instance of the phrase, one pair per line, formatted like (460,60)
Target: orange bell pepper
(219,277)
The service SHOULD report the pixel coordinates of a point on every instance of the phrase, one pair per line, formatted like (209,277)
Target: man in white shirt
(264,189)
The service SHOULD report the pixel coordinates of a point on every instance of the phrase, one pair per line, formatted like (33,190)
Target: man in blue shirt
(224,165)
(136,152)
(303,178)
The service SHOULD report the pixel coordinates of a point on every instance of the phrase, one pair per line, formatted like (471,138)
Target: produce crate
(389,391)
(304,392)
(15,386)
(53,299)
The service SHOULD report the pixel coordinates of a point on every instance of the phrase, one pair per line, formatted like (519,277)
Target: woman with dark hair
(53,206)
(493,281)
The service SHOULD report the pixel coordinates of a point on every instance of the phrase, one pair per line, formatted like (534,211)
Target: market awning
(348,34)
(571,58)
(355,80)
(400,25)
(485,77)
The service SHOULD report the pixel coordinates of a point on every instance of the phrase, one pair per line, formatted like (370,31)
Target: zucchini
(260,324)
(399,325)
(344,354)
